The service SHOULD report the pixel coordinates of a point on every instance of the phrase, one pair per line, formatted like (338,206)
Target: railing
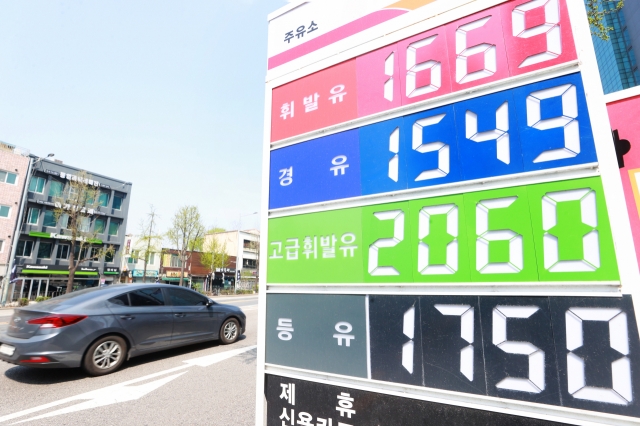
(15,149)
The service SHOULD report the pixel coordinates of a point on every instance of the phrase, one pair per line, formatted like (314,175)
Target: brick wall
(10,195)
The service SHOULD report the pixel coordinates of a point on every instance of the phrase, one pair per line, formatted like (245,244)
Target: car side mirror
(210,303)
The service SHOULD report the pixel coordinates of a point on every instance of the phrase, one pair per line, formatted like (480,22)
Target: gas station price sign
(446,225)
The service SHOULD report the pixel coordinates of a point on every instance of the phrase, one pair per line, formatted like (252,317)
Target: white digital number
(500,134)
(463,53)
(465,312)
(441,148)
(389,66)
(568,120)
(516,257)
(590,242)
(621,392)
(550,27)
(408,328)
(398,235)
(413,68)
(451,263)
(535,383)
(394,147)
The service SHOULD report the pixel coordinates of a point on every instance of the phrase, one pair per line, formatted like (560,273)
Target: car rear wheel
(105,356)
(230,331)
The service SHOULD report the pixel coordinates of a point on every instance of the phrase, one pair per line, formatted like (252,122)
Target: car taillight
(57,321)
(35,360)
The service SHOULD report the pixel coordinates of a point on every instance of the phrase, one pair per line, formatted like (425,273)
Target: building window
(113,228)
(8,177)
(44,250)
(103,199)
(100,225)
(63,252)
(84,224)
(249,263)
(33,216)
(117,202)
(175,261)
(135,254)
(72,192)
(1,246)
(64,221)
(80,255)
(56,188)
(108,257)
(5,211)
(49,218)
(36,184)
(24,248)
(151,258)
(95,253)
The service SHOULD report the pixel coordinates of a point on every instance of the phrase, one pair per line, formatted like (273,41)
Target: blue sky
(168,95)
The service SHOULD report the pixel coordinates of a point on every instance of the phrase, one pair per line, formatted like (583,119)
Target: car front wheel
(230,331)
(105,356)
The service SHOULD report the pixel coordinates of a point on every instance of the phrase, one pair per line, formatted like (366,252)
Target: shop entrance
(33,288)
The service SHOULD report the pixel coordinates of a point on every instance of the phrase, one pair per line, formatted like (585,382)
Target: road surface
(204,384)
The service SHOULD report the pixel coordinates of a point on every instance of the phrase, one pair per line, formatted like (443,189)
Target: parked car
(99,328)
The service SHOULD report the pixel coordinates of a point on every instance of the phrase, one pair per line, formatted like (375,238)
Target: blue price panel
(538,126)
(323,169)
(576,352)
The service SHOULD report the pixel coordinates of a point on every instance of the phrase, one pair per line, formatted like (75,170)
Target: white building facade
(133,261)
(245,246)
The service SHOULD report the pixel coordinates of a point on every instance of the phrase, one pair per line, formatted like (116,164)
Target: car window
(122,300)
(147,297)
(180,297)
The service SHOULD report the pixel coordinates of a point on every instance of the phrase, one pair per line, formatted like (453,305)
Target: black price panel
(519,351)
(598,353)
(298,402)
(573,352)
(452,346)
(396,339)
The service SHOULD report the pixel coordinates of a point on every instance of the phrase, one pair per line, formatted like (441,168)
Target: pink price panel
(513,38)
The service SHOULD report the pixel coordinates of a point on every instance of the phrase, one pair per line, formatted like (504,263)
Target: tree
(149,240)
(186,234)
(596,13)
(214,255)
(75,206)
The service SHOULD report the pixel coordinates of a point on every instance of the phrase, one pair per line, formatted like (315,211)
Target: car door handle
(127,317)
(180,315)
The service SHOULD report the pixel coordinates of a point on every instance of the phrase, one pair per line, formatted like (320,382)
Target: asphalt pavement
(204,384)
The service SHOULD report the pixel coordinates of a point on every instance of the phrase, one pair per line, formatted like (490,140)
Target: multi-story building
(244,246)
(133,262)
(195,273)
(14,165)
(617,57)
(43,249)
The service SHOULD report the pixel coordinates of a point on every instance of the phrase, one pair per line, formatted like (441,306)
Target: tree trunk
(182,258)
(72,270)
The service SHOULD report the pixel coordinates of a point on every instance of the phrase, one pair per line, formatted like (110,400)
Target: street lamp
(16,232)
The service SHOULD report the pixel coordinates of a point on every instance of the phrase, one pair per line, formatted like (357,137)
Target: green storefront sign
(60,237)
(546,232)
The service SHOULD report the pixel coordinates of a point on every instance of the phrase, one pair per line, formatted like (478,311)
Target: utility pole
(149,236)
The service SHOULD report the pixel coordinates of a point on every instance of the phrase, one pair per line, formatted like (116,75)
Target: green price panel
(547,232)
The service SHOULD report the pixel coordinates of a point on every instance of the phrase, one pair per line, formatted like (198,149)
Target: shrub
(42,298)
(23,302)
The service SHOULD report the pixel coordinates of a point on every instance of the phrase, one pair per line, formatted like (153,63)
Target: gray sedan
(99,328)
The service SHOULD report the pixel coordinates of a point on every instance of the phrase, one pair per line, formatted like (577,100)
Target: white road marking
(108,396)
(123,392)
